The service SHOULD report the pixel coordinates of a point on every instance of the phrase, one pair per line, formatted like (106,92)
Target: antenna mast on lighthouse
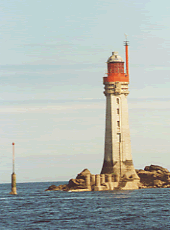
(126,53)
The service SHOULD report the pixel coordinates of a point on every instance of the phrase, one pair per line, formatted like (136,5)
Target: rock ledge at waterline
(152,176)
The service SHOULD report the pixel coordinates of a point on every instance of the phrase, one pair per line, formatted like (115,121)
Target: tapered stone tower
(117,156)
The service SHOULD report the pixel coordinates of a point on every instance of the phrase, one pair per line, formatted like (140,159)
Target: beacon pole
(13,157)
(13,176)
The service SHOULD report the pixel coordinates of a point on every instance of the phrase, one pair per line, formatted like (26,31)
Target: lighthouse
(117,153)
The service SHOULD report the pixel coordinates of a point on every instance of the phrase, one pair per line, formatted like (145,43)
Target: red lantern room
(115,66)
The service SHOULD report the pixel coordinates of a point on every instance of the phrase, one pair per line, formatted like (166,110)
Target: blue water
(33,208)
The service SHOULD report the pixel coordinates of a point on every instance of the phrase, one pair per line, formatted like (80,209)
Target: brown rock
(83,174)
(79,182)
(52,187)
(63,187)
(76,183)
(138,170)
(156,168)
(168,186)
(154,176)
(146,177)
(158,183)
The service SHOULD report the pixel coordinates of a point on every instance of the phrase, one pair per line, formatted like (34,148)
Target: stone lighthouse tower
(117,156)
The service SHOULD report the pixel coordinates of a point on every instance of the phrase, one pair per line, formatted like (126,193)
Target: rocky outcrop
(73,184)
(154,176)
(63,187)
(83,174)
(76,183)
(79,182)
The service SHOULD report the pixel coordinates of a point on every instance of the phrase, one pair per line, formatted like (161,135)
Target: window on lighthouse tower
(118,137)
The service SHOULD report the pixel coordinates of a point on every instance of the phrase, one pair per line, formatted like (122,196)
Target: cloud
(18,109)
(150,105)
(70,106)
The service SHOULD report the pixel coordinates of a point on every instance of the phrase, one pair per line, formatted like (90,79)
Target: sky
(53,58)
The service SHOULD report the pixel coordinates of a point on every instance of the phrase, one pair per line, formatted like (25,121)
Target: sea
(35,208)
